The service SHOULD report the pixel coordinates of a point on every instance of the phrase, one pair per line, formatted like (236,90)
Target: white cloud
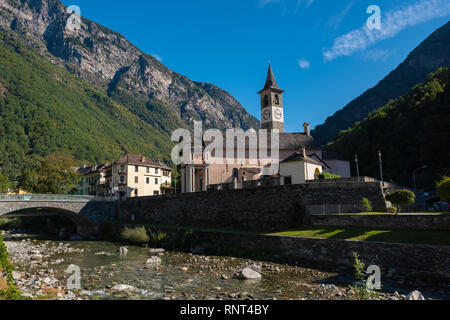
(304,64)
(157,57)
(391,24)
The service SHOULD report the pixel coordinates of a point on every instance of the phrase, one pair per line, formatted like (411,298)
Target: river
(107,274)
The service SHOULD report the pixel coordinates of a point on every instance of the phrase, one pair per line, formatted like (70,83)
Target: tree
(4,184)
(28,180)
(443,189)
(366,205)
(401,198)
(55,174)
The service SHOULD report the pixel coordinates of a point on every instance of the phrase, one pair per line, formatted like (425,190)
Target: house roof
(317,158)
(298,156)
(91,169)
(141,161)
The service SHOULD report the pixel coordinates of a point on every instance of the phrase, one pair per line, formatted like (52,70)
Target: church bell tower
(272,113)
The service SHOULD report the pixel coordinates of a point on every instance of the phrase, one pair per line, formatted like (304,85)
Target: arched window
(276,99)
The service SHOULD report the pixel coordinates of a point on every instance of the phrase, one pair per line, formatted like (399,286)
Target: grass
(365,234)
(390,213)
(136,235)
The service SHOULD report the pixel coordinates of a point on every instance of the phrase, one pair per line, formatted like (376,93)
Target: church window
(276,99)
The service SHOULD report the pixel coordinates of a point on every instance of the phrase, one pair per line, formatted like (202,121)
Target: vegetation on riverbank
(8,290)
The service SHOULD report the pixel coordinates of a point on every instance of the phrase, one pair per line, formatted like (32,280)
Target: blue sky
(320,51)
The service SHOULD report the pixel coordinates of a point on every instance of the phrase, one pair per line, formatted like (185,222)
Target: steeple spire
(271,83)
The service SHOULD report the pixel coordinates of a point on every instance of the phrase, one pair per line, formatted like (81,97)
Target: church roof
(271,83)
(298,156)
(297,141)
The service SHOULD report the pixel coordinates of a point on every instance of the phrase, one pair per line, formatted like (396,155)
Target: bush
(326,175)
(136,235)
(157,239)
(401,198)
(366,205)
(443,189)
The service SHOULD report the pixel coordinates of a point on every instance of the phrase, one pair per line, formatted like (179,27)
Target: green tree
(366,205)
(443,189)
(401,198)
(4,184)
(55,174)
(28,180)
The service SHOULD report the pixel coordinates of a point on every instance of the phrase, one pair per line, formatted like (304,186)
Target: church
(301,158)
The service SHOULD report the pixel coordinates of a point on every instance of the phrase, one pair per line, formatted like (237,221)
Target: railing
(52,197)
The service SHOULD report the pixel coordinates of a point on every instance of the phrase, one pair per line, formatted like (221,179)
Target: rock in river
(154,261)
(415,295)
(153,251)
(248,274)
(123,287)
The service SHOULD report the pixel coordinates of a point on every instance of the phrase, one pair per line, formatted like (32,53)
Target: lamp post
(381,165)
(357,165)
(414,174)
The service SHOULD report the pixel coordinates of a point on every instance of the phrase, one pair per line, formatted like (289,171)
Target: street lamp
(414,174)
(357,165)
(381,165)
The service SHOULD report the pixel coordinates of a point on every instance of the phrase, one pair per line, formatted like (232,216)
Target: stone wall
(400,222)
(260,209)
(407,259)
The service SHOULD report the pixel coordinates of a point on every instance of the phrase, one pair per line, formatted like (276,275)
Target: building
(130,176)
(301,157)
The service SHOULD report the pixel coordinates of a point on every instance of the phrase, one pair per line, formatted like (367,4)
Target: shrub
(157,239)
(326,175)
(443,189)
(361,289)
(401,198)
(136,235)
(366,205)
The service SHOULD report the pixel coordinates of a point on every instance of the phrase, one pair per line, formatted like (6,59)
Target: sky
(324,53)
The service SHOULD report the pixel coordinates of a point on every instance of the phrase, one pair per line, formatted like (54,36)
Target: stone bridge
(85,211)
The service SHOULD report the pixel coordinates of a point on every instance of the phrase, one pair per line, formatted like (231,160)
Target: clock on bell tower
(272,115)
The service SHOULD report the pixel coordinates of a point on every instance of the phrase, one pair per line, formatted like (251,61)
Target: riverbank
(108,274)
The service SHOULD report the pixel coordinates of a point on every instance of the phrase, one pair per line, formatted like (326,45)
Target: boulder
(415,295)
(154,261)
(123,287)
(36,258)
(123,251)
(248,274)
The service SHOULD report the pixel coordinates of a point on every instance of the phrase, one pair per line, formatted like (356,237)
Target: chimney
(304,152)
(306,126)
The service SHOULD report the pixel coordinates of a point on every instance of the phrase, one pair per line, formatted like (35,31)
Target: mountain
(430,55)
(411,131)
(110,83)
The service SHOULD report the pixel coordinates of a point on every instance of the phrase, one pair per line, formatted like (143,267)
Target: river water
(181,276)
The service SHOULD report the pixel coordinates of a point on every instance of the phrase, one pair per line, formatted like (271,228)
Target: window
(156,193)
(148,180)
(156,171)
(122,168)
(156,181)
(287,180)
(136,168)
(122,179)
(147,170)
(136,193)
(136,180)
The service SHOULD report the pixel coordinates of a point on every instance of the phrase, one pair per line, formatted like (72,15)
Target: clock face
(266,114)
(278,114)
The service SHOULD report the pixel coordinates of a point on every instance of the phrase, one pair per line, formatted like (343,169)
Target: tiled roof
(141,161)
(298,156)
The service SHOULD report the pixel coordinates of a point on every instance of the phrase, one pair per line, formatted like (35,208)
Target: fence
(334,208)
(53,197)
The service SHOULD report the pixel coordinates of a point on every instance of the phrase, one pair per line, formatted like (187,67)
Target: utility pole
(357,165)
(381,165)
